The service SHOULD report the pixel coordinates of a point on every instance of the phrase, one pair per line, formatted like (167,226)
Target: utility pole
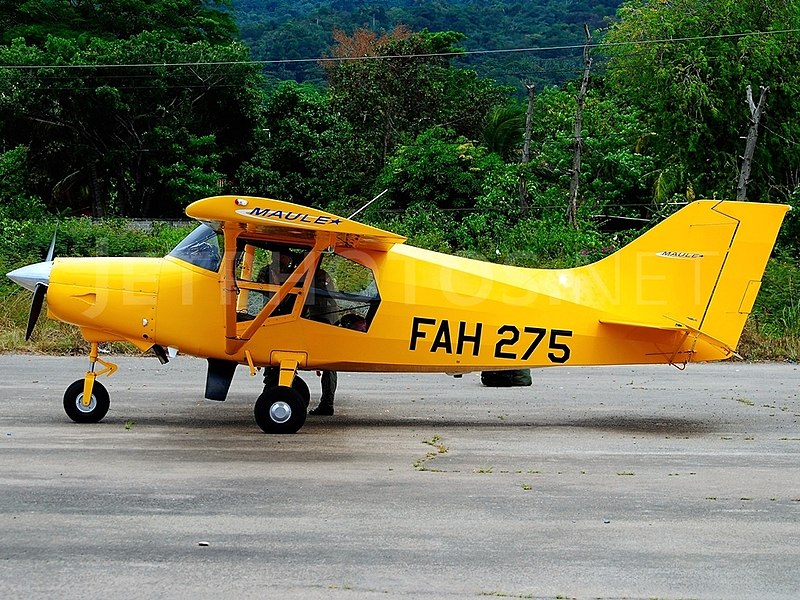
(526,150)
(752,138)
(572,206)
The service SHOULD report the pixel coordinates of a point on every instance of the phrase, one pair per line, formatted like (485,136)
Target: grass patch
(50,337)
(435,441)
(759,346)
(422,463)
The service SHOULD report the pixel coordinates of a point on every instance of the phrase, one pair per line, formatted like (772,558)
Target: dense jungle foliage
(122,108)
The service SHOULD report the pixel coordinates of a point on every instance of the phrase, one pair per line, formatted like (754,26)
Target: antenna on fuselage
(368,203)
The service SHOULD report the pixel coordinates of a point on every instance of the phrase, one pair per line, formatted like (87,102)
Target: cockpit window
(342,292)
(200,248)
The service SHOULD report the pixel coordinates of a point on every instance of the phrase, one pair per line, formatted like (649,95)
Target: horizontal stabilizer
(677,327)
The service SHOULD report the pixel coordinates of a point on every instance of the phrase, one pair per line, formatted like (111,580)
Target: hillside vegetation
(283,30)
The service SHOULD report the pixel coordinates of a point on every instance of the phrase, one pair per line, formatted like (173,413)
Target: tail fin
(698,271)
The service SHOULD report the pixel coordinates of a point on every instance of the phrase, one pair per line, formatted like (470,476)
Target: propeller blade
(52,249)
(39,293)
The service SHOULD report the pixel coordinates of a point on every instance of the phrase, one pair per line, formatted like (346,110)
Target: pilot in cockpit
(279,268)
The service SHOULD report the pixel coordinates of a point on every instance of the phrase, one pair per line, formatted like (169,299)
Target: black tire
(97,409)
(298,385)
(280,410)
(301,387)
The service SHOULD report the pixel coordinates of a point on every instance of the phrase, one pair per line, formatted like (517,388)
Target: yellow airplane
(266,283)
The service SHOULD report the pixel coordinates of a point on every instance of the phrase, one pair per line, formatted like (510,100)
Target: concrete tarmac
(624,482)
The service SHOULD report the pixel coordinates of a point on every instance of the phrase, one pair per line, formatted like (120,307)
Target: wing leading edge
(288,221)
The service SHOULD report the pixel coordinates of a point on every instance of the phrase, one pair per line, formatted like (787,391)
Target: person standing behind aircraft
(322,307)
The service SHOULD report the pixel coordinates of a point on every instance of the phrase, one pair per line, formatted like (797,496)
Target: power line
(782,137)
(457,54)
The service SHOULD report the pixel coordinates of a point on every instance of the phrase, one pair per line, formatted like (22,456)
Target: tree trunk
(752,138)
(526,151)
(572,206)
(98,195)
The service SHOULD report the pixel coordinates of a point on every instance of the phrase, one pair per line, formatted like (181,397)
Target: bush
(14,176)
(777,309)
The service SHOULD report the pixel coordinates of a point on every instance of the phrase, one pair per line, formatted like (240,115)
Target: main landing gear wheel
(280,410)
(96,409)
(298,385)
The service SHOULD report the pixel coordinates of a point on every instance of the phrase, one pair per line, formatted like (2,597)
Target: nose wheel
(86,412)
(86,400)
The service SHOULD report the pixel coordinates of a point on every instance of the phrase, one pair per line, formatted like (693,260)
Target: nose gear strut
(88,382)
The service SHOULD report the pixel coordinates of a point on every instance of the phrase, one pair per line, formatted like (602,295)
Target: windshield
(200,248)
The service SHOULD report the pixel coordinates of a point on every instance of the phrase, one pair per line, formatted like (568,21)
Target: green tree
(407,87)
(438,169)
(181,20)
(686,65)
(302,29)
(616,177)
(14,174)
(504,130)
(437,181)
(306,152)
(112,130)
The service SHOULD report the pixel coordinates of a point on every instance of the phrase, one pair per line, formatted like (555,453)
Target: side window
(343,293)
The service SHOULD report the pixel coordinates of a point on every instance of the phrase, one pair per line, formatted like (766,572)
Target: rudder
(740,279)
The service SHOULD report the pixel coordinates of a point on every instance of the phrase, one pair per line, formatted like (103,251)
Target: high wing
(289,222)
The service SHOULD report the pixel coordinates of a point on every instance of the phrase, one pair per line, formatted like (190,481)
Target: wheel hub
(85,409)
(280,412)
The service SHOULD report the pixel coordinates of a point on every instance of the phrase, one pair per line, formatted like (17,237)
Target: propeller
(35,277)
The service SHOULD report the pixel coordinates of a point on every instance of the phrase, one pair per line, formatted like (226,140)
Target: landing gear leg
(271,378)
(87,401)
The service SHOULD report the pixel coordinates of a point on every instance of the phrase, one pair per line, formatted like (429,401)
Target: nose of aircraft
(30,276)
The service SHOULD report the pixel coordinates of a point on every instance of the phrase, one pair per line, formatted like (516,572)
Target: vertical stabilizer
(698,271)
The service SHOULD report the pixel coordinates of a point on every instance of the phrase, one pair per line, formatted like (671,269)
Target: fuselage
(681,292)
(435,313)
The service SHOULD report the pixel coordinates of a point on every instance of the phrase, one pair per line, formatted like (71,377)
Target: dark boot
(325,408)
(271,375)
